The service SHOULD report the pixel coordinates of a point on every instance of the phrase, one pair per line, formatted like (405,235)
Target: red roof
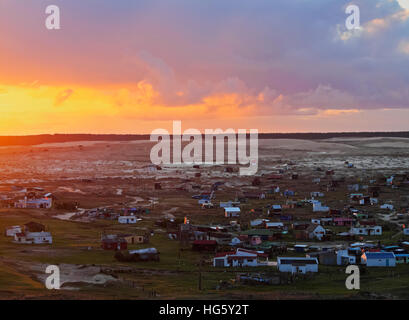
(248,251)
(223,254)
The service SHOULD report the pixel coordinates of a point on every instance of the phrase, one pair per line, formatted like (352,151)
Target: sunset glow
(134,67)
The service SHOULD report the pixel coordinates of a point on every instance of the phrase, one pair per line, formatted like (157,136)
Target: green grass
(174,276)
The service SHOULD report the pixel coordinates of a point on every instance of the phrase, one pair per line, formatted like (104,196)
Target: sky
(132,66)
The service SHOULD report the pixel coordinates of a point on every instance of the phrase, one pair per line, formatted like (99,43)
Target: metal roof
(379,255)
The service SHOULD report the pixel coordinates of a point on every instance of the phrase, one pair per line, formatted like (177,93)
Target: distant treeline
(58,138)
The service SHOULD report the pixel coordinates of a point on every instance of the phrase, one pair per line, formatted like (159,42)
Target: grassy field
(176,275)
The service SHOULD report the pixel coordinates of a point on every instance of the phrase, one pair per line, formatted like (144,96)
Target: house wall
(298,269)
(318,233)
(220,262)
(381,263)
(42,239)
(374,231)
(127,219)
(344,253)
(34,239)
(11,232)
(251,262)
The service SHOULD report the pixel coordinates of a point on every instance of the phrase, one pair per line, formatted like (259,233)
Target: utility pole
(200,275)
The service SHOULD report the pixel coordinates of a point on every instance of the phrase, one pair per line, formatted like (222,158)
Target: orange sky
(132,67)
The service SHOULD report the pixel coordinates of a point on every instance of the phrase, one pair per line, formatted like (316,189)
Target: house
(204,245)
(342,221)
(274,225)
(326,221)
(134,239)
(220,237)
(373,201)
(355,196)
(264,234)
(258,222)
(300,225)
(34,203)
(289,193)
(148,254)
(367,223)
(328,258)
(113,242)
(316,231)
(353,187)
(316,194)
(239,258)
(276,208)
(379,259)
(345,257)
(127,219)
(365,200)
(231,212)
(297,265)
(318,207)
(229,204)
(386,206)
(235,241)
(33,238)
(366,231)
(11,231)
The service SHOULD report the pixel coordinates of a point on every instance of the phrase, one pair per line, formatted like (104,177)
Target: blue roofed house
(231,212)
(379,259)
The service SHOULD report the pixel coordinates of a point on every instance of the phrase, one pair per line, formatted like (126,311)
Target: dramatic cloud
(159,59)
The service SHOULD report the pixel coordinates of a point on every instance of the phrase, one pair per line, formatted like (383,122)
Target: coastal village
(279,229)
